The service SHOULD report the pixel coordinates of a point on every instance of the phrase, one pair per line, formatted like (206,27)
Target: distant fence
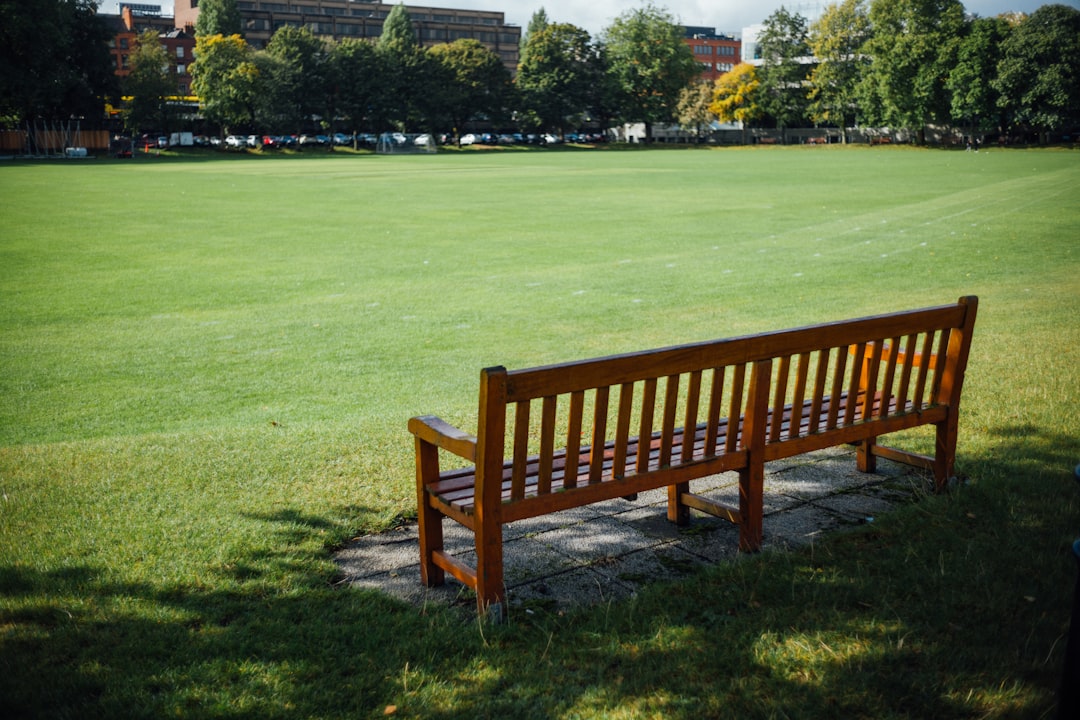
(40,141)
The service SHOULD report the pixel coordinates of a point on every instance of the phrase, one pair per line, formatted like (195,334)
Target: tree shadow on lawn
(270,636)
(954,607)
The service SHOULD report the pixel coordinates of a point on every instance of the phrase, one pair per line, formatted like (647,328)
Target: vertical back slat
(716,403)
(839,373)
(547,444)
(521,449)
(693,401)
(924,369)
(910,345)
(573,438)
(648,410)
(622,429)
(890,378)
(870,380)
(858,365)
(735,413)
(939,365)
(779,399)
(667,430)
(599,435)
(819,390)
(799,396)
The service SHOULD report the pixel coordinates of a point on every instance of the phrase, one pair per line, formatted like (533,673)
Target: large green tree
(912,48)
(360,84)
(149,84)
(477,83)
(836,40)
(556,77)
(406,68)
(1039,71)
(974,97)
(299,77)
(227,80)
(54,61)
(218,17)
(537,22)
(650,63)
(783,72)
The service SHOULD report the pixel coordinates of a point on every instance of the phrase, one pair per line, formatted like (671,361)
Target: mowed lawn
(207,364)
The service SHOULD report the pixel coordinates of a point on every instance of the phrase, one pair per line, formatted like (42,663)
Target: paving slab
(607,551)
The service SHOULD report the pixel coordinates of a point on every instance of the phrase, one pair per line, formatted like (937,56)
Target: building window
(181,69)
(179,51)
(123,43)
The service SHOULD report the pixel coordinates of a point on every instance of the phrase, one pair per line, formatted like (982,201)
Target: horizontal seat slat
(456,488)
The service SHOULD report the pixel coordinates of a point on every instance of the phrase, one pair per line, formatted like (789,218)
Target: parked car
(163,141)
(342,139)
(235,141)
(468,139)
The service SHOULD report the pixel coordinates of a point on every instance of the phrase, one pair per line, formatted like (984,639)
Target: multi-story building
(715,53)
(341,19)
(131,23)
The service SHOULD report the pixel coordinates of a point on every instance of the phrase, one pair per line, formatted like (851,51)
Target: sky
(726,16)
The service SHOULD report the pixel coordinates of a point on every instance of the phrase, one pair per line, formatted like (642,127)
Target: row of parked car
(287,141)
(370,140)
(530,138)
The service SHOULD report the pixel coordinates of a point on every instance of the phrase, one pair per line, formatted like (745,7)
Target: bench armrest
(437,432)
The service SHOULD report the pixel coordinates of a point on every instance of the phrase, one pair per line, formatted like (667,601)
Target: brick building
(715,53)
(131,23)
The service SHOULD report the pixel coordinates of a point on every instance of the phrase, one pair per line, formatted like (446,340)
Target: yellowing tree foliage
(735,96)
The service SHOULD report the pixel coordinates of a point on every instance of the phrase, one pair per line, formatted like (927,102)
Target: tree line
(909,64)
(564,77)
(902,64)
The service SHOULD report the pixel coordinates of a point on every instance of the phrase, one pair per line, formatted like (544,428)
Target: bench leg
(751,501)
(490,587)
(429,520)
(945,452)
(865,459)
(677,511)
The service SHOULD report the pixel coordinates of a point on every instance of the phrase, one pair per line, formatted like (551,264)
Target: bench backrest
(842,373)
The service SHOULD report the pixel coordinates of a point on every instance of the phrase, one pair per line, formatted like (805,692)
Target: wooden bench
(567,435)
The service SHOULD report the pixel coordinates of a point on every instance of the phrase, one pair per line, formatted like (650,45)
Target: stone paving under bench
(606,551)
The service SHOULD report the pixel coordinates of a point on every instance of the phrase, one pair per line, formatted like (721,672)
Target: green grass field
(207,365)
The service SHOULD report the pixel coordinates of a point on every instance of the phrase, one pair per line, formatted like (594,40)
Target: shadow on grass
(955,607)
